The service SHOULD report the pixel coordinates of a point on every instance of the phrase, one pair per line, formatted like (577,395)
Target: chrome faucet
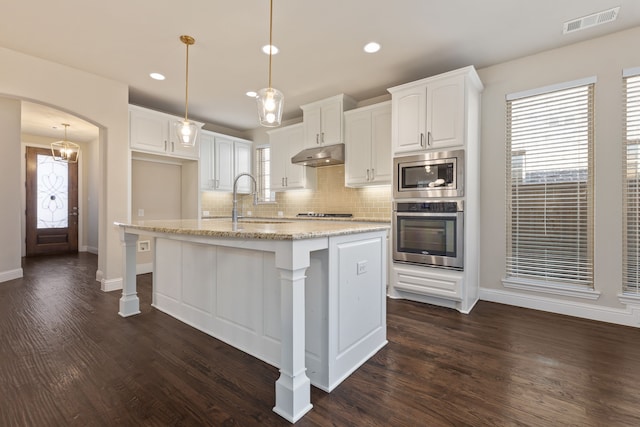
(234,211)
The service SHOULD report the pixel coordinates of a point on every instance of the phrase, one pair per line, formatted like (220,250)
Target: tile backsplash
(330,196)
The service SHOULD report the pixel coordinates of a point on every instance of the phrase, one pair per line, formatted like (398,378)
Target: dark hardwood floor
(68,359)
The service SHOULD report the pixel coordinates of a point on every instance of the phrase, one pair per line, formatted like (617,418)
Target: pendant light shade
(270,105)
(65,151)
(270,100)
(186,131)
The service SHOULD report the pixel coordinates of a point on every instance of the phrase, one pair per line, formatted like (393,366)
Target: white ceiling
(320,44)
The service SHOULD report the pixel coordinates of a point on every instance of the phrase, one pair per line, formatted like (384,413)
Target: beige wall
(10,263)
(100,101)
(156,189)
(604,58)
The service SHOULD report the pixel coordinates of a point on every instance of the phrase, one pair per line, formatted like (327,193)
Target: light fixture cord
(186,89)
(270,38)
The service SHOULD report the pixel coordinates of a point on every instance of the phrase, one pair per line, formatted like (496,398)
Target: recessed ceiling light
(274,49)
(156,76)
(372,47)
(252,94)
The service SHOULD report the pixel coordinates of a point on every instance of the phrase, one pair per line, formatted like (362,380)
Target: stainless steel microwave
(430,174)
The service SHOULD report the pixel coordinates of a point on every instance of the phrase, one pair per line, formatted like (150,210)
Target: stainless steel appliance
(429,233)
(325,155)
(430,174)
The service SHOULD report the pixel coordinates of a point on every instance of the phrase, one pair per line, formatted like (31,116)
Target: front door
(52,204)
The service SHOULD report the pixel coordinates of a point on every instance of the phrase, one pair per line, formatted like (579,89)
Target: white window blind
(550,187)
(263,174)
(631,180)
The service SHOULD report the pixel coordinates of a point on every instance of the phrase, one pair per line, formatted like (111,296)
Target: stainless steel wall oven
(430,174)
(429,233)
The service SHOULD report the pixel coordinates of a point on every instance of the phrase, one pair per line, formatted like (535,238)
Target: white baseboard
(99,276)
(108,285)
(5,276)
(628,317)
(90,249)
(144,268)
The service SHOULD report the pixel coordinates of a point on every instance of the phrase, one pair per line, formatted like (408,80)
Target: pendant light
(186,131)
(270,100)
(65,151)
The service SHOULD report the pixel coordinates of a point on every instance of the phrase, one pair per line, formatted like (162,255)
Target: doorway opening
(51,204)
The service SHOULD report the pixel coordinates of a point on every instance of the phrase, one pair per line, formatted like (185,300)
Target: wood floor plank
(68,359)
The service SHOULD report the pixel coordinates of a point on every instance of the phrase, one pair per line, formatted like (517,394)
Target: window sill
(629,299)
(552,288)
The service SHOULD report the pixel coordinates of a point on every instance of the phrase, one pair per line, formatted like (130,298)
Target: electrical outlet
(140,212)
(144,246)
(362,267)
(205,213)
(280,213)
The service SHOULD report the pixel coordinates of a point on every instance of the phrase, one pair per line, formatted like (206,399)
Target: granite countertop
(258,228)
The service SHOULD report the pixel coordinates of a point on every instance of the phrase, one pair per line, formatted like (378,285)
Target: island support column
(129,302)
(293,388)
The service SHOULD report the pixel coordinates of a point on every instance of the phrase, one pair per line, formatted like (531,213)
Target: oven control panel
(429,207)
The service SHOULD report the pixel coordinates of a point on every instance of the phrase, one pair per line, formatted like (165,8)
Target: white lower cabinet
(425,280)
(368,146)
(222,159)
(439,286)
(285,142)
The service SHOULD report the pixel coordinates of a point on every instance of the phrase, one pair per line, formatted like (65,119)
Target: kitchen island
(305,296)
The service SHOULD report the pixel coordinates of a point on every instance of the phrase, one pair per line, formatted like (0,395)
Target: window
(631,182)
(550,187)
(263,175)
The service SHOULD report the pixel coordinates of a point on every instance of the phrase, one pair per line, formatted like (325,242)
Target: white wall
(604,58)
(98,100)
(10,263)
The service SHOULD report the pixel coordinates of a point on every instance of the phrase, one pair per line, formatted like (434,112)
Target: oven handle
(427,214)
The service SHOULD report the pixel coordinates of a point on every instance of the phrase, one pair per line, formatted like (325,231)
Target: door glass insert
(53,193)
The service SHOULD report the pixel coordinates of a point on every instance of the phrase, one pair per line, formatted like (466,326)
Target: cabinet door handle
(165,145)
(421,139)
(429,138)
(282,181)
(367,174)
(322,137)
(173,146)
(373,174)
(286,181)
(317,138)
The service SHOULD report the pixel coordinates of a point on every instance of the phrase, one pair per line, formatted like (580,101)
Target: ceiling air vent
(590,20)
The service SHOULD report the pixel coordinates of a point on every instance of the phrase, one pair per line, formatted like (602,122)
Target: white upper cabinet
(242,164)
(222,159)
(431,114)
(207,177)
(153,132)
(322,120)
(368,145)
(285,142)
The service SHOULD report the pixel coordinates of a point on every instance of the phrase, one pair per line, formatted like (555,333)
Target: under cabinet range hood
(327,155)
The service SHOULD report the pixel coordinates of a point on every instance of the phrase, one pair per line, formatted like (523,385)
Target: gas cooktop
(325,215)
